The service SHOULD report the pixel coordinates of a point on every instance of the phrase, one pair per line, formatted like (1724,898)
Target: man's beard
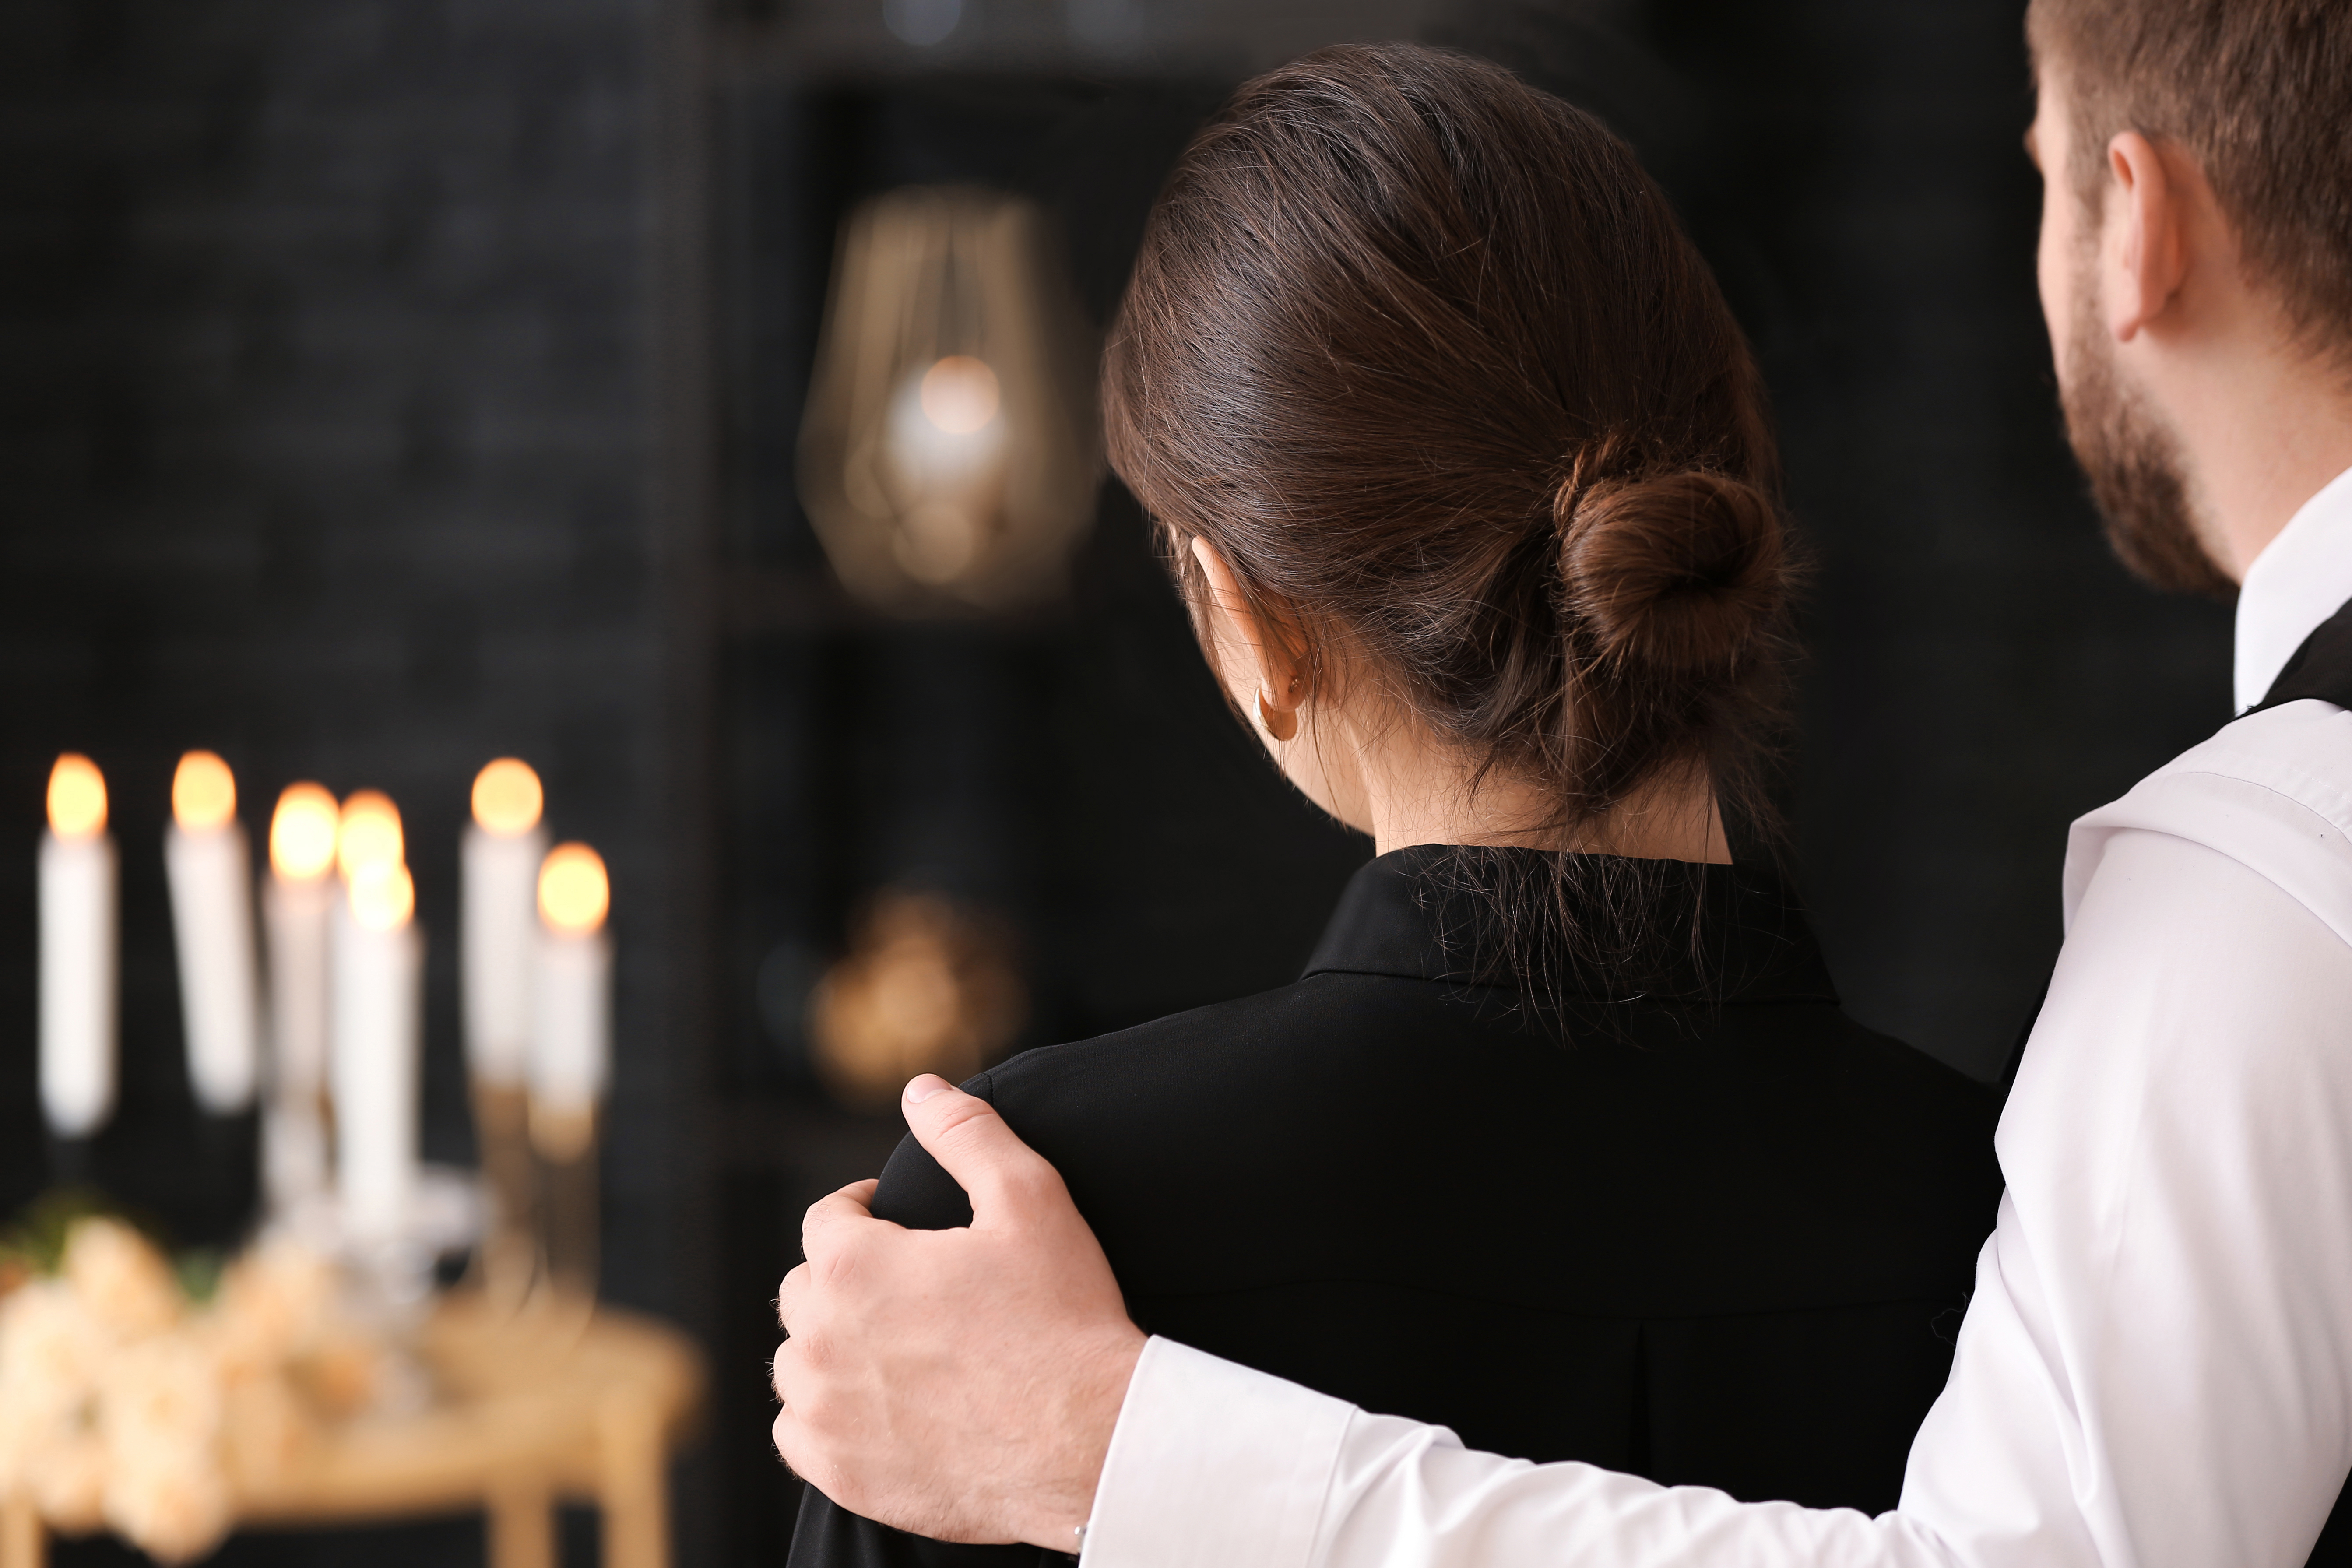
(2134,464)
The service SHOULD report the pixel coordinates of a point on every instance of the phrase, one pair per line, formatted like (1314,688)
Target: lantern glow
(948,453)
(959,394)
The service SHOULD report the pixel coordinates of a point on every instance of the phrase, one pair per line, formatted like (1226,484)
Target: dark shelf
(837,40)
(755,602)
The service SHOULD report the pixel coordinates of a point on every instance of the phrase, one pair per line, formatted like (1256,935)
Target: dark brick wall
(325,442)
(328,439)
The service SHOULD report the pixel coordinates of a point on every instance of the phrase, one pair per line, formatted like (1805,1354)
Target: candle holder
(564,1142)
(508,1264)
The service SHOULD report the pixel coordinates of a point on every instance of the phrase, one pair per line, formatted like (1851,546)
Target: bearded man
(2156,1367)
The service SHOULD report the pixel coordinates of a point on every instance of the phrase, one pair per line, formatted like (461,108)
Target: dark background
(390,385)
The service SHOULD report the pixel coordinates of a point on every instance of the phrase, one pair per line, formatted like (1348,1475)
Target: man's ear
(1280,678)
(2142,252)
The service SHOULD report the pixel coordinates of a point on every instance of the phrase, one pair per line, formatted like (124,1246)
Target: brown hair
(2260,92)
(1422,351)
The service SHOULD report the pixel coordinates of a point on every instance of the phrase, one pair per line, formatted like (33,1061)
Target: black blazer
(1716,1234)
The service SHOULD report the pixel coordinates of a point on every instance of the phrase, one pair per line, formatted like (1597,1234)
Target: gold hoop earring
(1280,725)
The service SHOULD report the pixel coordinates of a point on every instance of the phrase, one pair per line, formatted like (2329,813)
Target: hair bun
(1674,573)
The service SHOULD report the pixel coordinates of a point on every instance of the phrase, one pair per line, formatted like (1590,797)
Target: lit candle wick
(302,833)
(76,798)
(204,793)
(507,798)
(574,891)
(368,835)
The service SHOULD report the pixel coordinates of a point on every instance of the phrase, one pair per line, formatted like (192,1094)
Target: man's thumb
(1007,1180)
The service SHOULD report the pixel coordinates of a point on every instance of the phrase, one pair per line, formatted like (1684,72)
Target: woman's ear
(1242,635)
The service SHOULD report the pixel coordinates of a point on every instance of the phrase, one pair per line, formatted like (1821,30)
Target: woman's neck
(1660,823)
(1403,789)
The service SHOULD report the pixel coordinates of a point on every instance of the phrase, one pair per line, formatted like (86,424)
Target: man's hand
(962,1384)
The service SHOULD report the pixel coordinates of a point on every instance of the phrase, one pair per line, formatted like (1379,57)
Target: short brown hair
(1424,354)
(2260,92)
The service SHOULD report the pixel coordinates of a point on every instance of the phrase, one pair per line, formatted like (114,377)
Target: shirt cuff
(1214,1466)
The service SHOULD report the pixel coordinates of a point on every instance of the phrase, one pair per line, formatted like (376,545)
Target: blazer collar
(1428,913)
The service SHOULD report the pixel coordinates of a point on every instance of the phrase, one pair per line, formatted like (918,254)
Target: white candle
(571,1035)
(296,909)
(78,952)
(379,965)
(499,858)
(212,926)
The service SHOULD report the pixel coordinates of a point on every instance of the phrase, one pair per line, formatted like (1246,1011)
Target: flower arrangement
(130,1400)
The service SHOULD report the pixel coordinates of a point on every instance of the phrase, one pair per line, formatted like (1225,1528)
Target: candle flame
(76,797)
(302,833)
(507,798)
(574,892)
(204,793)
(959,394)
(368,834)
(382,896)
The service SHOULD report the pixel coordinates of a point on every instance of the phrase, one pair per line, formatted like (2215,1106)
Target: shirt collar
(1427,913)
(2301,578)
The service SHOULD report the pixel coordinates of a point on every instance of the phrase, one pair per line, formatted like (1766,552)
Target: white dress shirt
(2156,1368)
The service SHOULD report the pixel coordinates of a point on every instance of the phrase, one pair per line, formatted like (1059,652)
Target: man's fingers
(1007,1180)
(789,1294)
(850,1206)
(795,1446)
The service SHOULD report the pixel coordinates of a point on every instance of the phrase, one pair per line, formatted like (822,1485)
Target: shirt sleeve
(2155,1370)
(1215,1464)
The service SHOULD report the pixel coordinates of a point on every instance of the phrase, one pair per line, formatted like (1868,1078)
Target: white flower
(174,1504)
(51,1351)
(119,1407)
(48,1344)
(68,1484)
(160,1410)
(161,1394)
(121,1278)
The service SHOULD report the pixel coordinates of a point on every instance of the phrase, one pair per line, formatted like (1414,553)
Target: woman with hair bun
(1466,475)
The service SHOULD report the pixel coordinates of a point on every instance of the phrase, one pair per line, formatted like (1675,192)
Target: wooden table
(531,1409)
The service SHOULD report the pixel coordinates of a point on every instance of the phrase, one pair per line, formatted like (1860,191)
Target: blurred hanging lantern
(948,457)
(927,986)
